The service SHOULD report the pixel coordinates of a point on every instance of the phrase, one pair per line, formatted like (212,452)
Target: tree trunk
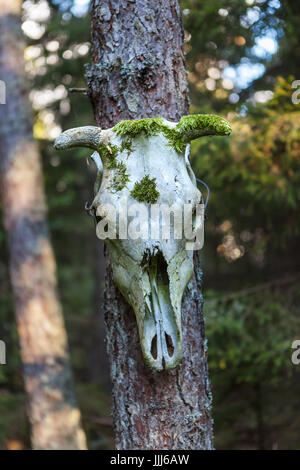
(54,416)
(138,71)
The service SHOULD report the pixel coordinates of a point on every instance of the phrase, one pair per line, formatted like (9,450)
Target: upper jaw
(161,335)
(154,285)
(163,285)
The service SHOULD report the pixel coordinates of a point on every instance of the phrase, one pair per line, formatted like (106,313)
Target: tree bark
(53,414)
(138,71)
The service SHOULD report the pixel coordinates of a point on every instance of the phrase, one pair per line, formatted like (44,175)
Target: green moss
(188,128)
(198,125)
(145,190)
(151,126)
(120,178)
(108,154)
(175,139)
(126,145)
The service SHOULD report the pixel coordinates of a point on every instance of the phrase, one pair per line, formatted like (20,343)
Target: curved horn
(87,136)
(198,125)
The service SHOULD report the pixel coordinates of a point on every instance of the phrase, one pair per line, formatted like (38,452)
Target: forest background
(242,61)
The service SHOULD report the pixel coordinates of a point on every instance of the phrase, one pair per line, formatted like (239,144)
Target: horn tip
(58,144)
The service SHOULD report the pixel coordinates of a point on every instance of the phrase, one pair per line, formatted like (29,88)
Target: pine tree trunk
(53,414)
(138,71)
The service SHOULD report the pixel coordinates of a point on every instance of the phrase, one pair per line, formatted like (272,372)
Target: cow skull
(146,162)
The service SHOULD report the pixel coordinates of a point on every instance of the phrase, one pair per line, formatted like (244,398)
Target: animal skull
(146,161)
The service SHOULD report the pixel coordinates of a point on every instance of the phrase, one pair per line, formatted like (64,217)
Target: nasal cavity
(169,343)
(154,347)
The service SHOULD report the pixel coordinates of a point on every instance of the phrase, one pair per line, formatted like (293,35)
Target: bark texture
(53,414)
(138,71)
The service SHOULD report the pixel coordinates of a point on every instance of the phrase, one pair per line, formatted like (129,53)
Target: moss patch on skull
(202,124)
(145,190)
(109,154)
(175,139)
(150,126)
(188,128)
(120,178)
(126,145)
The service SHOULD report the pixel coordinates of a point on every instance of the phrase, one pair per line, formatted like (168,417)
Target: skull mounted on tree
(145,162)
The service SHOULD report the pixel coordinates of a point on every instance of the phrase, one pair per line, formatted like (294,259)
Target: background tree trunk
(54,416)
(138,71)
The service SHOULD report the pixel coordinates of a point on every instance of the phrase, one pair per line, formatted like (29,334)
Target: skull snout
(161,340)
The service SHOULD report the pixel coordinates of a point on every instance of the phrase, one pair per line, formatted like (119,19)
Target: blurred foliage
(250,364)
(255,176)
(251,229)
(221,34)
